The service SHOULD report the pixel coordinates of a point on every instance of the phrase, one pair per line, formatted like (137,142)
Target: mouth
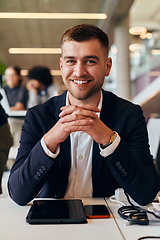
(79,82)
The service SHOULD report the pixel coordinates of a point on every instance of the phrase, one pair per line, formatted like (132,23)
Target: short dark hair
(41,74)
(17,69)
(85,32)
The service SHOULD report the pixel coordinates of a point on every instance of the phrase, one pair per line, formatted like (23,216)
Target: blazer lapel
(61,101)
(64,155)
(106,117)
(64,164)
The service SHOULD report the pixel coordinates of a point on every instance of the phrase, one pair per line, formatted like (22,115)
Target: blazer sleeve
(131,163)
(32,165)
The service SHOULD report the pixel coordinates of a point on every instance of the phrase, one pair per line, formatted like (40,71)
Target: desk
(14,227)
(133,232)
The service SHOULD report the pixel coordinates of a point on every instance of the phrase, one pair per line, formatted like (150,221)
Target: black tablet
(56,211)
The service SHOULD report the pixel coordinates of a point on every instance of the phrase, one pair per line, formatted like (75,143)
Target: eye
(70,61)
(91,62)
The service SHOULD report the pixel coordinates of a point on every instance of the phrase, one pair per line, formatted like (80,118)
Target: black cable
(139,208)
(155,237)
(134,214)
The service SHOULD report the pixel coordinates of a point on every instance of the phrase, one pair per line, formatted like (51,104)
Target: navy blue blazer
(130,166)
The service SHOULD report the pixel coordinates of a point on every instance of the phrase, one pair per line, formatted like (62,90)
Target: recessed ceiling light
(19,15)
(137,30)
(34,50)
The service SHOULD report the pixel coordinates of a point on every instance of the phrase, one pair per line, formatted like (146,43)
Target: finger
(89,107)
(84,106)
(71,118)
(77,115)
(77,125)
(77,110)
(67,110)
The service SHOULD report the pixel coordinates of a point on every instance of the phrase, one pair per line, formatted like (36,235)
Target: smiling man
(86,142)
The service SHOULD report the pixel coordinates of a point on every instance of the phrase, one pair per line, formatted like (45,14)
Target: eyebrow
(68,57)
(92,56)
(86,57)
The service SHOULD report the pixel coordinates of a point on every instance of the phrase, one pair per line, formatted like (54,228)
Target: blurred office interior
(133,28)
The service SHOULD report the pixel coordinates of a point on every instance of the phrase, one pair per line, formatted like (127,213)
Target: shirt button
(80,157)
(78,179)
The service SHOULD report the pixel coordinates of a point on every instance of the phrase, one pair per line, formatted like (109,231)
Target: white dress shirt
(80,176)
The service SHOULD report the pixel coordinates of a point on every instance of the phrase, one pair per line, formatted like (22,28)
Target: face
(35,84)
(12,78)
(84,66)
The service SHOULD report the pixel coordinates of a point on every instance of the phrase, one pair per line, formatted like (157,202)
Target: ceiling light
(34,50)
(147,35)
(114,50)
(18,15)
(24,72)
(55,72)
(137,30)
(155,51)
(136,47)
(135,54)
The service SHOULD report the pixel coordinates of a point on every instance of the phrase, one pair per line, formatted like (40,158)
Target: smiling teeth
(80,82)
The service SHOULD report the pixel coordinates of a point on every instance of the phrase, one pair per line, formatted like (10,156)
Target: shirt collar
(99,104)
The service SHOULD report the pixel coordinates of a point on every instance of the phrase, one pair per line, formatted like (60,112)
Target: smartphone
(97,211)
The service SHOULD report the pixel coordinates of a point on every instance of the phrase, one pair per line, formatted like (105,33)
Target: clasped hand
(75,118)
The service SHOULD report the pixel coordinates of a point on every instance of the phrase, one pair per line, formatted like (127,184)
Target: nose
(79,69)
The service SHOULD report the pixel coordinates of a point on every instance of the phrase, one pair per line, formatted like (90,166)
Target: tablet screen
(56,211)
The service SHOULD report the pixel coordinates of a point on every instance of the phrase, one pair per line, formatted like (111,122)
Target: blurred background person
(40,85)
(17,96)
(16,93)
(6,141)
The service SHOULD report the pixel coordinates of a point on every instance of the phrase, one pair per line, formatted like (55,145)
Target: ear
(60,62)
(108,66)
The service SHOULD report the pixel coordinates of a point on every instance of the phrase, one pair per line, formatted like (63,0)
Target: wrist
(47,151)
(52,147)
(112,139)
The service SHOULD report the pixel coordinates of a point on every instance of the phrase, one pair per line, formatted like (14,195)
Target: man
(86,142)
(6,141)
(40,85)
